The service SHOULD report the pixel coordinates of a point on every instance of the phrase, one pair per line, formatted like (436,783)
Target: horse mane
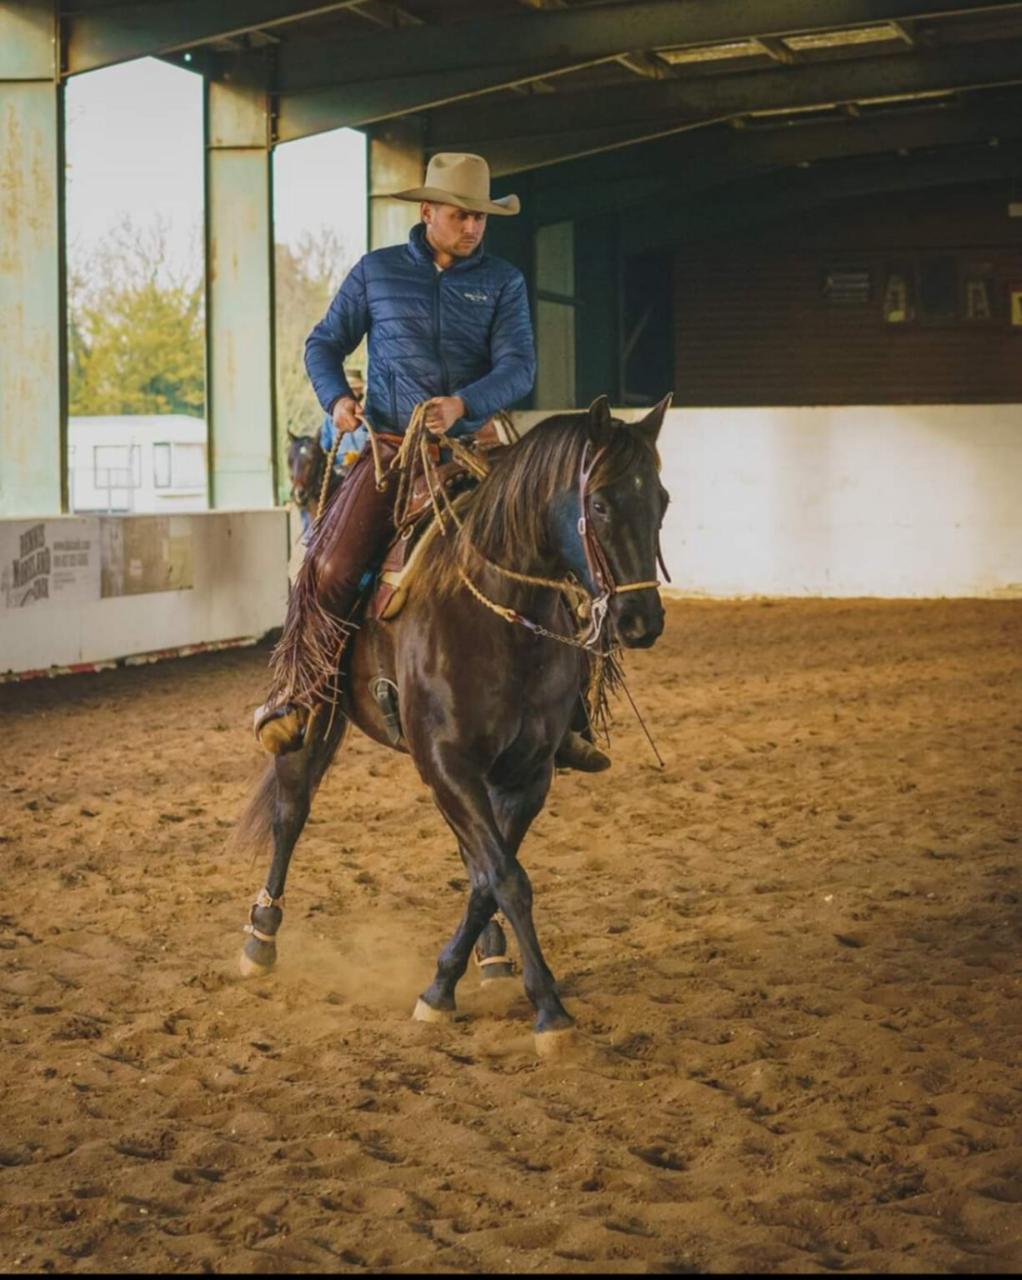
(505,517)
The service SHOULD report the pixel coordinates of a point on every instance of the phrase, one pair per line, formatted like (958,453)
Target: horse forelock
(625,449)
(295,446)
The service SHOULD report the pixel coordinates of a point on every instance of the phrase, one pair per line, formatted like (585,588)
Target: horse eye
(599,507)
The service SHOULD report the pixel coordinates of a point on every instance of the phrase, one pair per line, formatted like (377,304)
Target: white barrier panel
(850,501)
(886,500)
(85,589)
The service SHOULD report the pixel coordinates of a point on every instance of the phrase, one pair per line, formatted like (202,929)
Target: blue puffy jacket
(465,331)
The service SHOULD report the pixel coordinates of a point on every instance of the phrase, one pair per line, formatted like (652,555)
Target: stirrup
(280,729)
(576,753)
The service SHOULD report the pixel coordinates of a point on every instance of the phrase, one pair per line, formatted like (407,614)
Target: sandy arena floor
(793,953)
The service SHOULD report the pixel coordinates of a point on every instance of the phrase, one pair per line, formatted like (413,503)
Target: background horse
(486,663)
(305,462)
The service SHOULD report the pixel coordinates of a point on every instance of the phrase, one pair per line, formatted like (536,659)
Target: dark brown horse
(486,669)
(305,463)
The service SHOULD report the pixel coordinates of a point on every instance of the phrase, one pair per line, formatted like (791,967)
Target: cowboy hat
(455,177)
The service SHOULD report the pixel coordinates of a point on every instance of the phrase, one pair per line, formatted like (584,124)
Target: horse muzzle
(640,627)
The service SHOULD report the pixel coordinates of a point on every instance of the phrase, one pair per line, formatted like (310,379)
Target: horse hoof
(424,1012)
(496,973)
(556,1044)
(252,968)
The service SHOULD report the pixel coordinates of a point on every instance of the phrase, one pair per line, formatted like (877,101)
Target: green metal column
(396,163)
(33,376)
(239,295)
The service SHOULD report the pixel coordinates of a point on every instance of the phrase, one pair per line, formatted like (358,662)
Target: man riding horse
(448,325)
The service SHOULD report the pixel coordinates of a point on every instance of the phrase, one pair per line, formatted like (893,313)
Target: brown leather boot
(280,729)
(576,753)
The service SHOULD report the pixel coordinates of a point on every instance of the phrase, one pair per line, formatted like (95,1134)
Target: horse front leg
(437,1002)
(287,793)
(490,844)
(514,810)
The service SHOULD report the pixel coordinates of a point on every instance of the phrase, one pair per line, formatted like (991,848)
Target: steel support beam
(349,105)
(537,132)
(239,295)
(33,373)
(584,34)
(395,159)
(102,37)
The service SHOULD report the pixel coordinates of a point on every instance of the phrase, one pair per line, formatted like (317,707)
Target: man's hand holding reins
(347,414)
(442,412)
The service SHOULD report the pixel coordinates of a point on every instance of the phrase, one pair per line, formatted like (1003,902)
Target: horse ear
(290,436)
(649,426)
(600,421)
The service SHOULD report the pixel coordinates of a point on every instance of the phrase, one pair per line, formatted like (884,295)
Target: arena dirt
(793,956)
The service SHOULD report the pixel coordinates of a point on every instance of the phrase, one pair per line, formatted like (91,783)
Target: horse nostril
(632,626)
(638,630)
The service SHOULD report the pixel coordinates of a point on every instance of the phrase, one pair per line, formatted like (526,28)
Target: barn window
(189,466)
(117,466)
(161,466)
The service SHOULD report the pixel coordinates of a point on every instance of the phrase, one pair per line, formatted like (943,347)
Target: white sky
(134,146)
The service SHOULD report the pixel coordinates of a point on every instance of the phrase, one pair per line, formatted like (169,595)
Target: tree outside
(136,327)
(136,332)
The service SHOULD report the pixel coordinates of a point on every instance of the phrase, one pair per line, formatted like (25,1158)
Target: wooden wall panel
(752,326)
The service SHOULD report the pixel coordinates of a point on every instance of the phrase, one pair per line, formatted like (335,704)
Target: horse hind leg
(285,797)
(491,954)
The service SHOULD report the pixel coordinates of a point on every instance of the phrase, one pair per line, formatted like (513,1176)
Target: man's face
(453,230)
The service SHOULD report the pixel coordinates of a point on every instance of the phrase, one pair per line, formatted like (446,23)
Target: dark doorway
(646,355)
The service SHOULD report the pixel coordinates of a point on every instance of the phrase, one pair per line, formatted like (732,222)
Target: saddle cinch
(419,524)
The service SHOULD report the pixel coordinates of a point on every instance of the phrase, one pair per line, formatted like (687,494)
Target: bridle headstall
(584,603)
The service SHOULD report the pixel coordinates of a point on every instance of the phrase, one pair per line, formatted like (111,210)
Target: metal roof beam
(675,216)
(720,156)
(102,37)
(583,34)
(346,106)
(634,113)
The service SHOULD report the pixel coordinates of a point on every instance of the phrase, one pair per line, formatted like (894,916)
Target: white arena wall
(89,589)
(902,501)
(885,500)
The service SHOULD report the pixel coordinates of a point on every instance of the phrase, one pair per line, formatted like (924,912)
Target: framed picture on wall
(977,298)
(899,293)
(938,288)
(847,285)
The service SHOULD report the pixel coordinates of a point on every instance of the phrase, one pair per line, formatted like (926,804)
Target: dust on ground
(793,956)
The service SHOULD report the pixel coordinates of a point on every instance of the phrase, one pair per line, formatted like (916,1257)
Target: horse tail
(253,829)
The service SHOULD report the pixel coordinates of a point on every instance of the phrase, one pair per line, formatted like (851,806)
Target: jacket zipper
(437,331)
